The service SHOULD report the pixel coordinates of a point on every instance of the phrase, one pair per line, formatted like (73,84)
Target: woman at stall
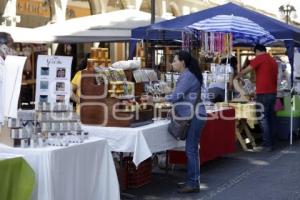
(75,95)
(183,98)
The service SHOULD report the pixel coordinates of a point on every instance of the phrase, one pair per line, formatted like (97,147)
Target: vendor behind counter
(217,89)
(75,97)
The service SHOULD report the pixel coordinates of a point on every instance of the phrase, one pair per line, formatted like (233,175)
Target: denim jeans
(266,118)
(218,94)
(192,151)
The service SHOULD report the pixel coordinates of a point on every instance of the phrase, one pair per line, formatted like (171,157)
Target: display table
(217,137)
(80,171)
(16,178)
(142,141)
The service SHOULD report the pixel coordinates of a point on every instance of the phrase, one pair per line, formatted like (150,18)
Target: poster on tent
(297,69)
(53,79)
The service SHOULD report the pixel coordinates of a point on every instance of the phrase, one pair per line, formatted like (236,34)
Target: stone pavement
(240,176)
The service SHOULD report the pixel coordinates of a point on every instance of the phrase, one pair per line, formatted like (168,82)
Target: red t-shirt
(266,71)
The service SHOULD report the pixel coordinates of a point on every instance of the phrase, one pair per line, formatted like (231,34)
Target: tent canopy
(111,26)
(171,29)
(26,35)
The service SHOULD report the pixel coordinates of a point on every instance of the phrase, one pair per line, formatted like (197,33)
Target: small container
(33,143)
(86,135)
(14,134)
(41,142)
(13,123)
(24,143)
(22,133)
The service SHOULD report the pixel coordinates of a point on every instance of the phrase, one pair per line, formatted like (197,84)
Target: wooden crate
(98,109)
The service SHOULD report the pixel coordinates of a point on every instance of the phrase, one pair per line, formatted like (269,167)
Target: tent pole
(152,11)
(291,117)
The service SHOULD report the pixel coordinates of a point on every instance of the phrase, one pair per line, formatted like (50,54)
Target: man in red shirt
(266,71)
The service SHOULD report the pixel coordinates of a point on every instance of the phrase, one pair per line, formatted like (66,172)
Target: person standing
(183,99)
(217,89)
(76,82)
(266,71)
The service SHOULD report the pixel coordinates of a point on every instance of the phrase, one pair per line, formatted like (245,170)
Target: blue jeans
(192,151)
(218,94)
(267,117)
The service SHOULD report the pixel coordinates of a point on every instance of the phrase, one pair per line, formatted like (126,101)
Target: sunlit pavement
(240,176)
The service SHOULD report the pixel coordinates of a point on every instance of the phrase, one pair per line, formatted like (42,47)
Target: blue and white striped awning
(243,29)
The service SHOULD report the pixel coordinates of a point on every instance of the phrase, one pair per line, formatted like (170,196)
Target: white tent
(27,35)
(111,26)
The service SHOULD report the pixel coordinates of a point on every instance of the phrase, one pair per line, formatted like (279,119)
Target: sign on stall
(11,85)
(53,79)
(1,90)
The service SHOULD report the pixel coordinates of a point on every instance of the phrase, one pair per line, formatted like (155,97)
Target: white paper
(53,79)
(12,84)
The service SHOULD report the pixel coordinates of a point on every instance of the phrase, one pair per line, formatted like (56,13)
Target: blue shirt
(187,89)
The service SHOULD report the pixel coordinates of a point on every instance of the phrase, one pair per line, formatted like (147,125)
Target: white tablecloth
(142,141)
(81,171)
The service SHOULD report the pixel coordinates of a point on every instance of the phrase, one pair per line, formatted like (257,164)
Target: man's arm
(244,71)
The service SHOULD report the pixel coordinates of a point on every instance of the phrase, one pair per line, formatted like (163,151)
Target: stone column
(9,13)
(132,4)
(58,9)
(98,6)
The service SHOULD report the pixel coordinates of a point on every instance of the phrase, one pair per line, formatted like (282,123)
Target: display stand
(58,124)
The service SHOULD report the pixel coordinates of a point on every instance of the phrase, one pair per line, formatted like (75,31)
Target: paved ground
(240,176)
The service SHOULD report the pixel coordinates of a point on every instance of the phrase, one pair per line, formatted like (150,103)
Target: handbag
(178,128)
(278,105)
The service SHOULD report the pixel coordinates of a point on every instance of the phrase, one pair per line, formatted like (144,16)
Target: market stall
(207,20)
(67,164)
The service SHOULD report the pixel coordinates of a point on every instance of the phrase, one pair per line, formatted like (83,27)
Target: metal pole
(152,11)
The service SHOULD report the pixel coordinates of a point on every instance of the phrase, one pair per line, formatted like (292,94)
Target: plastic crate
(286,112)
(138,176)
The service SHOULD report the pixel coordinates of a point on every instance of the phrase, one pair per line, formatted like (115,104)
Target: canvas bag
(178,128)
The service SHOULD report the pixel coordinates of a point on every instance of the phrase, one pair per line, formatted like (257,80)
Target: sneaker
(188,189)
(262,149)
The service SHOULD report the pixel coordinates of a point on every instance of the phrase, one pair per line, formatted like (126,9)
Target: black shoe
(180,184)
(188,189)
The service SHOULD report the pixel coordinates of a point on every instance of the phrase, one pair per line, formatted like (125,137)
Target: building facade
(34,13)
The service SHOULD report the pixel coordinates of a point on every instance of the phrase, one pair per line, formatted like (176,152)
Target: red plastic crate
(138,176)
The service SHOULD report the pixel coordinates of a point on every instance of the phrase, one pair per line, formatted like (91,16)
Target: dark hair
(233,63)
(83,63)
(191,63)
(260,47)
(4,38)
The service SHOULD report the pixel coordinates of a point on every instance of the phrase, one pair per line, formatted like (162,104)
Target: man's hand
(238,76)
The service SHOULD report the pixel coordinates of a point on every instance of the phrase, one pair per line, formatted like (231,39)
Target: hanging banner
(53,79)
